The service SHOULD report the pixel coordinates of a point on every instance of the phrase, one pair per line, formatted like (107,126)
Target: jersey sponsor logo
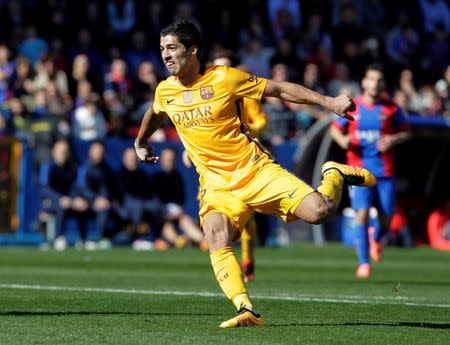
(253,78)
(188,97)
(206,92)
(370,136)
(194,117)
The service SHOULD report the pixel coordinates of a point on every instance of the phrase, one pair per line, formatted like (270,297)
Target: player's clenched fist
(145,153)
(341,105)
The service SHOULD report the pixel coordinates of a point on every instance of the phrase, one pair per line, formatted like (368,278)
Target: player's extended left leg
(219,232)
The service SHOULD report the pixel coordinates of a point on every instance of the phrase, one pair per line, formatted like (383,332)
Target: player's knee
(216,232)
(321,213)
(315,209)
(362,216)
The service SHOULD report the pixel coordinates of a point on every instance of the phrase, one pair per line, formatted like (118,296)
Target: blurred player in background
(369,140)
(239,176)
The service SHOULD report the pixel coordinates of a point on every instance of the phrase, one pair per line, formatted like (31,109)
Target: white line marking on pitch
(401,300)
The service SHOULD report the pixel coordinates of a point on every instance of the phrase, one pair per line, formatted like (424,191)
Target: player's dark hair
(375,67)
(187,34)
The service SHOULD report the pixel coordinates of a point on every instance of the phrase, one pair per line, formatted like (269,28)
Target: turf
(308,296)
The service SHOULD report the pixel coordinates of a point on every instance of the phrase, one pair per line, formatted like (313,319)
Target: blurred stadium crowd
(85,70)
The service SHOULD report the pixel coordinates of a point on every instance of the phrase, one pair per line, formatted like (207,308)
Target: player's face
(373,83)
(176,57)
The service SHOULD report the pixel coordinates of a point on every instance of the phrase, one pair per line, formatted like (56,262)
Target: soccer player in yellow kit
(239,175)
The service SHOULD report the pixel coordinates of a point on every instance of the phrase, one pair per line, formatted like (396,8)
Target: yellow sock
(331,186)
(229,276)
(248,238)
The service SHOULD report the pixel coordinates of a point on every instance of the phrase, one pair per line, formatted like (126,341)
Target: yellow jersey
(208,117)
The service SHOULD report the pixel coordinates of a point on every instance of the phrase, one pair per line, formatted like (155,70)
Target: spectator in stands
(17,120)
(402,42)
(348,31)
(84,46)
(285,55)
(442,88)
(254,31)
(342,80)
(438,51)
(139,203)
(58,104)
(435,12)
(46,71)
(21,82)
(257,58)
(285,18)
(93,194)
(57,179)
(88,123)
(407,86)
(169,187)
(314,37)
(46,128)
(80,73)
(84,93)
(33,47)
(281,117)
(431,104)
(6,71)
(139,53)
(307,114)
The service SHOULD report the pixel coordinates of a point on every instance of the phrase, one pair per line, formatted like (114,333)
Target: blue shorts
(382,196)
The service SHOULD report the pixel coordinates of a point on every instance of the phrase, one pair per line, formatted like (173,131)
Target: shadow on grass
(364,324)
(98,313)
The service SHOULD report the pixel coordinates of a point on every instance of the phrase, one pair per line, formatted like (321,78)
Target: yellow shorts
(273,190)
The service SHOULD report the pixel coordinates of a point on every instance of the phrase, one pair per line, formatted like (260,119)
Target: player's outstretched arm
(291,92)
(150,123)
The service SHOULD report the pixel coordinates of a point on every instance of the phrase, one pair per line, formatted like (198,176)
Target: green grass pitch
(308,295)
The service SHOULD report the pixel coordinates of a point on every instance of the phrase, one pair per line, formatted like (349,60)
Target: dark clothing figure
(56,182)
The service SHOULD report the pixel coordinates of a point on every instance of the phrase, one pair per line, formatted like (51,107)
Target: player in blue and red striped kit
(369,140)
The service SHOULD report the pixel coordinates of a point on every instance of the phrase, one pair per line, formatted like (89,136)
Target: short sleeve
(242,84)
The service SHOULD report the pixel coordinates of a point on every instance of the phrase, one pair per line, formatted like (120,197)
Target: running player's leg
(386,207)
(361,201)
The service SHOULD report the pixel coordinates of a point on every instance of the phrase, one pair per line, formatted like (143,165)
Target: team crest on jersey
(206,92)
(187,97)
